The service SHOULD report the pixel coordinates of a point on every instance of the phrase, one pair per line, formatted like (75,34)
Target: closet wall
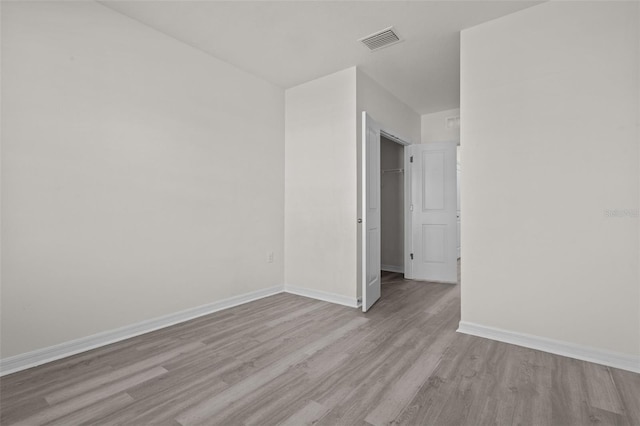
(392,200)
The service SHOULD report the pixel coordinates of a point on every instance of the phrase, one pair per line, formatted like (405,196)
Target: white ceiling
(291,42)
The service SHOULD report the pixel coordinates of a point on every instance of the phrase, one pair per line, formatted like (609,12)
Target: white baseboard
(392,268)
(571,350)
(72,347)
(52,353)
(351,302)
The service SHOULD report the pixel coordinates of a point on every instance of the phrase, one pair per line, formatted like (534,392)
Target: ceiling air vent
(381,39)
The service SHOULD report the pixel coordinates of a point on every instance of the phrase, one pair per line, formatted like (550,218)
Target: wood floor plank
(293,315)
(21,409)
(57,411)
(112,376)
(290,360)
(530,388)
(307,415)
(569,405)
(88,414)
(401,393)
(264,405)
(163,407)
(450,391)
(628,385)
(202,412)
(16,394)
(601,391)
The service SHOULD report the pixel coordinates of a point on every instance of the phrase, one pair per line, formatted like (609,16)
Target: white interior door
(434,206)
(370,211)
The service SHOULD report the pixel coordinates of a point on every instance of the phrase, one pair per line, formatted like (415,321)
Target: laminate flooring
(291,360)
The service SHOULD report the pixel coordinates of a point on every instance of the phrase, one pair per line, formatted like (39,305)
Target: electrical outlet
(270,257)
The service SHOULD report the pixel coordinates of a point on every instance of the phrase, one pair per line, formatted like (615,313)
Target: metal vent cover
(380,39)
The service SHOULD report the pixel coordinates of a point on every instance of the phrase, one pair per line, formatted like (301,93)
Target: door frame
(385,131)
(408,199)
(408,236)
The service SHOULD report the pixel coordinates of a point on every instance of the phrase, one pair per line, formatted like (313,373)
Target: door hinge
(411,159)
(411,256)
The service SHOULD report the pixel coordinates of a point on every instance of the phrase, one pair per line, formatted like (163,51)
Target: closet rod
(392,171)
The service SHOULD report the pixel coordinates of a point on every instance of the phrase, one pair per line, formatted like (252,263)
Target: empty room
(320,212)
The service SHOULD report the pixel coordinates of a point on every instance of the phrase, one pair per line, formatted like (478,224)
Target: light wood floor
(291,360)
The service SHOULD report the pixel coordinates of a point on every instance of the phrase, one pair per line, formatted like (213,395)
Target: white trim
(83,344)
(408,215)
(339,299)
(571,350)
(392,268)
(393,138)
(361,249)
(52,353)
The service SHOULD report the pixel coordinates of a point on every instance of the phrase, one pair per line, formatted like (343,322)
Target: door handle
(359,220)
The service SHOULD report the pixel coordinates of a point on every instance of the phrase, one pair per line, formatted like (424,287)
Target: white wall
(393,115)
(550,136)
(434,127)
(392,206)
(322,200)
(320,185)
(140,177)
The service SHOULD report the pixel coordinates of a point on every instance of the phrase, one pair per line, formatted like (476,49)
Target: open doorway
(430,232)
(392,194)
(369,249)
